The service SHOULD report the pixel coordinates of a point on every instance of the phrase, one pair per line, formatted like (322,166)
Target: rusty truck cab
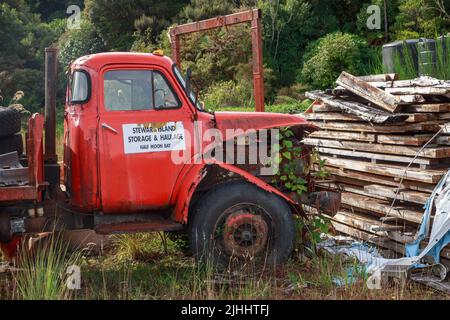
(110,96)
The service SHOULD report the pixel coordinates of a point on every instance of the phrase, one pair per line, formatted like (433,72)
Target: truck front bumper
(324,201)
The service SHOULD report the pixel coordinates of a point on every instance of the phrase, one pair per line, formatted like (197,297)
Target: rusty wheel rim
(245,231)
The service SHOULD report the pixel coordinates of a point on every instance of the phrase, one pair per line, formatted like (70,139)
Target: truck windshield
(182,82)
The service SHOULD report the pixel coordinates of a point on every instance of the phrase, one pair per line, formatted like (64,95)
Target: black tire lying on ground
(225,205)
(9,121)
(11,144)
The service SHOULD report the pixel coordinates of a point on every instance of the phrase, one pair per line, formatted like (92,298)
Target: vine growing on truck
(291,171)
(290,177)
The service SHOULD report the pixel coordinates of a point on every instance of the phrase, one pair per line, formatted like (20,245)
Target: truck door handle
(106,126)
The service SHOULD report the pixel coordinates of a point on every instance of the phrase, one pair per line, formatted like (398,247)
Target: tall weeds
(43,270)
(405,65)
(443,58)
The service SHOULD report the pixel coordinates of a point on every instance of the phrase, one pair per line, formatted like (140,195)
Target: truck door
(142,119)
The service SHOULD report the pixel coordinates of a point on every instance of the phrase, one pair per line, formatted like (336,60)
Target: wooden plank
(421,117)
(380,240)
(332,116)
(415,174)
(444,116)
(365,223)
(431,107)
(437,152)
(443,140)
(369,237)
(402,195)
(375,156)
(410,98)
(408,140)
(445,128)
(419,82)
(368,91)
(353,136)
(359,127)
(379,77)
(402,99)
(324,108)
(341,187)
(396,231)
(360,110)
(364,178)
(419,90)
(372,224)
(335,116)
(379,192)
(380,207)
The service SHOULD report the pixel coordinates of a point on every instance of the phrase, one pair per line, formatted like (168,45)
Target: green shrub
(227,94)
(295,107)
(328,56)
(292,107)
(79,42)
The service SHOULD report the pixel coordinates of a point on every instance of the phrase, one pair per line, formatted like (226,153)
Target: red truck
(128,116)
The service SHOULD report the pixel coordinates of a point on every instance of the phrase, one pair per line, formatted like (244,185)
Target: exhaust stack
(51,166)
(51,61)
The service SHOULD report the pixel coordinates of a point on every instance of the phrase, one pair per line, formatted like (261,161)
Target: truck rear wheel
(239,222)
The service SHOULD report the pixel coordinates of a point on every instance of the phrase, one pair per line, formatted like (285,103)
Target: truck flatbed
(24,183)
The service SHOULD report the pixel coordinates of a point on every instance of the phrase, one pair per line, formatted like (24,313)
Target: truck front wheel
(239,222)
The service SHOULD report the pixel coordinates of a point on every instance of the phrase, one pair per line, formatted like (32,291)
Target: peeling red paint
(258,121)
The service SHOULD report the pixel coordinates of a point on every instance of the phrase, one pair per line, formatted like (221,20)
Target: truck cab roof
(99,60)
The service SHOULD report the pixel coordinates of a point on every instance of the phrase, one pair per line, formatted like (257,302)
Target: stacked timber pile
(385,145)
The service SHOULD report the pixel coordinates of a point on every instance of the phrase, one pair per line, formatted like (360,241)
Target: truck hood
(259,120)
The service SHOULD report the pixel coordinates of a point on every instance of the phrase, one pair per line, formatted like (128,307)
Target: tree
(23,37)
(204,9)
(332,54)
(422,18)
(377,36)
(52,9)
(288,26)
(79,42)
(116,20)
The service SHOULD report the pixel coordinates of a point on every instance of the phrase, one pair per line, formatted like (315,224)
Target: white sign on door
(153,137)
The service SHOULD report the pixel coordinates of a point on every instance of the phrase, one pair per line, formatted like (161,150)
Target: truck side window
(79,87)
(128,90)
(164,95)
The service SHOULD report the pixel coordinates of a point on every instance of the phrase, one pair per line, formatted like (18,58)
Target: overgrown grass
(43,270)
(443,60)
(405,66)
(154,270)
(149,266)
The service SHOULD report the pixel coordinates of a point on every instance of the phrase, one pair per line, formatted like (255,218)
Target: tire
(11,144)
(228,204)
(10,121)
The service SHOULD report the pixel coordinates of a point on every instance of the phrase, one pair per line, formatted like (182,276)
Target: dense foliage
(327,56)
(306,42)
